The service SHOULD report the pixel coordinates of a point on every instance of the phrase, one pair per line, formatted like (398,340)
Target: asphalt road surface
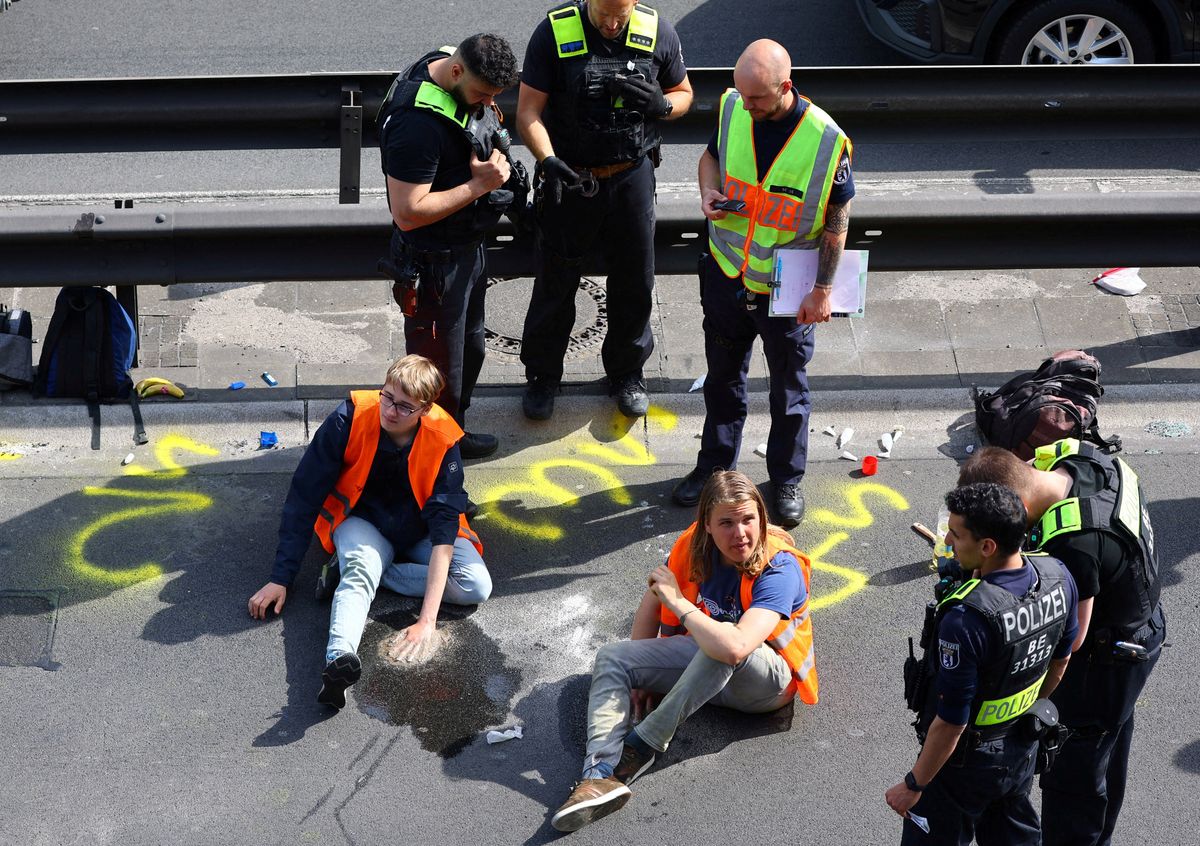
(146,707)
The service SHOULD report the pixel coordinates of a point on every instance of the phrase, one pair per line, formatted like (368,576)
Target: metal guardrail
(933,105)
(936,106)
(162,244)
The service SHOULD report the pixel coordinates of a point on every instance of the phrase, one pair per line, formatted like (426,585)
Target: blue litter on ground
(266,440)
(236,386)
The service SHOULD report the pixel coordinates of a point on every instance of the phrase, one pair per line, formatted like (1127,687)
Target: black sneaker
(632,399)
(687,490)
(538,400)
(340,673)
(634,762)
(475,445)
(472,510)
(789,505)
(327,581)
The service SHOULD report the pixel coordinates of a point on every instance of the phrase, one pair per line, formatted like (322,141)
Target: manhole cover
(27,621)
(508,300)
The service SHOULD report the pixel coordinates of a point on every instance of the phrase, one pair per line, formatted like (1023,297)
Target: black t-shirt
(542,64)
(769,138)
(423,148)
(1095,558)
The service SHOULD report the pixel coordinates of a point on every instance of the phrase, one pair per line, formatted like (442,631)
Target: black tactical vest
(410,91)
(587,124)
(1119,510)
(1024,633)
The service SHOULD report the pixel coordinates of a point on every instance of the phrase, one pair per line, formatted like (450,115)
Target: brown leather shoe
(591,799)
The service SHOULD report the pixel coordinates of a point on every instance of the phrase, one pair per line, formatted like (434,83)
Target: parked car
(1037,32)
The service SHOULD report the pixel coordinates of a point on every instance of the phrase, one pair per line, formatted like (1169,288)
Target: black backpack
(87,352)
(1033,409)
(16,349)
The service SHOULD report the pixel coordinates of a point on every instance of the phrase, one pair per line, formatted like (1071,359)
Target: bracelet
(910,781)
(685,613)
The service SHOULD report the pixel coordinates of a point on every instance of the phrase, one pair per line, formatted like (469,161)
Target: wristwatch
(910,781)
(670,107)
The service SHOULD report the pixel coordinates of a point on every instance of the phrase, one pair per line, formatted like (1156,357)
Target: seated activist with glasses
(381,484)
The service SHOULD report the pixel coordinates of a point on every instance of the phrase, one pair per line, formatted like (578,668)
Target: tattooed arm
(817,307)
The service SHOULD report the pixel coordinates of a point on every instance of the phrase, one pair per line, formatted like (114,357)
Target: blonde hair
(729,487)
(418,377)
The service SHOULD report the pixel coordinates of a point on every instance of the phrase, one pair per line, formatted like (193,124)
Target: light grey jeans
(677,667)
(366,560)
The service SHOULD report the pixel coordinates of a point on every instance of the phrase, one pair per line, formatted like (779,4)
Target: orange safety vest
(792,638)
(436,434)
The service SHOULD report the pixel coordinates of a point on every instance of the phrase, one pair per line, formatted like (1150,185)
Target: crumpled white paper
(1121,280)
(495,736)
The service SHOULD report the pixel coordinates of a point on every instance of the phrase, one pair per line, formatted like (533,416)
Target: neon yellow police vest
(786,209)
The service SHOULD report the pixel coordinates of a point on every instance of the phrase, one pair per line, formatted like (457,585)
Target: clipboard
(796,273)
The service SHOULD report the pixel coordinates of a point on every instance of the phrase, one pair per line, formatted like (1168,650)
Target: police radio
(513,197)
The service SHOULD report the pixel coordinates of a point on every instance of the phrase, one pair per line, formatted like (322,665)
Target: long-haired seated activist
(725,621)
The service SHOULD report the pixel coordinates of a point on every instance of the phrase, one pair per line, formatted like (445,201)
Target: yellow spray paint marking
(538,485)
(164,452)
(855,581)
(860,517)
(635,453)
(165,503)
(170,503)
(10,456)
(542,488)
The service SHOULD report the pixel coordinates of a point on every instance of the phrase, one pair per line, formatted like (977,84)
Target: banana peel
(154,386)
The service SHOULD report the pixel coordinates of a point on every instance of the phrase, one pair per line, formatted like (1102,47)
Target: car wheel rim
(1079,40)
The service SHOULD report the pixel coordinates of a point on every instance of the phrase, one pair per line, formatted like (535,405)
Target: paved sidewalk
(922,329)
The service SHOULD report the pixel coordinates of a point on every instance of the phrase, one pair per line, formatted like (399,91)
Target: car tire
(1015,44)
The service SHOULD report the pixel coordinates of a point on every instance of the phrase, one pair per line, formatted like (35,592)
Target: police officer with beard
(437,132)
(1087,509)
(597,78)
(1003,642)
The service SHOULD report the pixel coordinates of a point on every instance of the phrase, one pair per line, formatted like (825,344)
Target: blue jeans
(362,551)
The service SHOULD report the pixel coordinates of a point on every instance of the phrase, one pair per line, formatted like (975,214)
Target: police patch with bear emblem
(948,654)
(843,171)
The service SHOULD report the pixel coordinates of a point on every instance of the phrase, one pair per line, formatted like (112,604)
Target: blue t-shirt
(779,588)
(964,643)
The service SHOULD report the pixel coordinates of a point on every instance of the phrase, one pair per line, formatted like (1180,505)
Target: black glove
(556,173)
(642,95)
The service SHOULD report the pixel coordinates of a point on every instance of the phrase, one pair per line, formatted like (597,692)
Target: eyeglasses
(401,408)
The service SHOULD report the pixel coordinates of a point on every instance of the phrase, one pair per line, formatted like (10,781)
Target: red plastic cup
(869,465)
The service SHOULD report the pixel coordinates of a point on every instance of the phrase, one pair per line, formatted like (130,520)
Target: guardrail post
(351,161)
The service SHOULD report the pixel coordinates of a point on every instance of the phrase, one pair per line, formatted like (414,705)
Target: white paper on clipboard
(796,273)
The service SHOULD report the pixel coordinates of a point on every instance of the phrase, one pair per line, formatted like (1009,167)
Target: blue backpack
(87,352)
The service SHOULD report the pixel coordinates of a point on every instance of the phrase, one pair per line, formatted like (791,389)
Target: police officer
(597,78)
(1087,509)
(437,129)
(1003,641)
(788,164)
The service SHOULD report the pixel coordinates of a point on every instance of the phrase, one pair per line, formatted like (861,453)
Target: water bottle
(943,555)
